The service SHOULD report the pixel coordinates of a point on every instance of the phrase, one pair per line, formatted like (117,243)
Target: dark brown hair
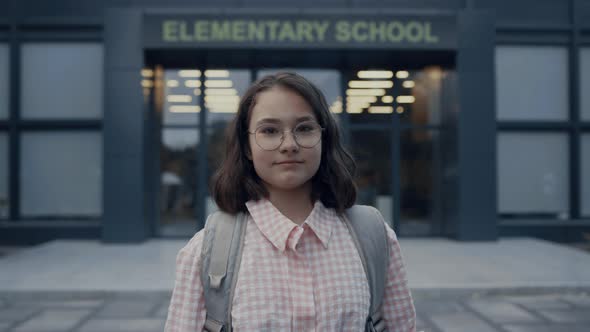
(236,181)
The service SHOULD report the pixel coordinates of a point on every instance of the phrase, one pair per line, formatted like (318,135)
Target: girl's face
(289,167)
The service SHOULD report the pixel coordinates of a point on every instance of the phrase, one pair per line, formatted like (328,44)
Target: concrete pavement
(513,285)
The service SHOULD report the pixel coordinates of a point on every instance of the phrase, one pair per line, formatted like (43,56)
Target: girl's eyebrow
(275,120)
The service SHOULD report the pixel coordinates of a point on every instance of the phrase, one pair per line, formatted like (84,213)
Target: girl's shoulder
(194,245)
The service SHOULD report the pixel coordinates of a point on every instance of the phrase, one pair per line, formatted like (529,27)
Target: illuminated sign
(436,32)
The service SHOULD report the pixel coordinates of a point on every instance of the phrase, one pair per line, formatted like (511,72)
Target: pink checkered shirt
(294,278)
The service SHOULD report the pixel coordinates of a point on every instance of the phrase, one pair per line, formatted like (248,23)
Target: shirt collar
(276,227)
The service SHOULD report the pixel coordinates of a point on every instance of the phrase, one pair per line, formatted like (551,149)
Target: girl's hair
(236,181)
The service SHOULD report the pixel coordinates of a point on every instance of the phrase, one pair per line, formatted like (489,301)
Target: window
(61,174)
(585,84)
(585,176)
(4,201)
(533,174)
(62,81)
(4,81)
(531,83)
(182,95)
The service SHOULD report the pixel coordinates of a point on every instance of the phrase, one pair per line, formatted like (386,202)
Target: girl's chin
(288,185)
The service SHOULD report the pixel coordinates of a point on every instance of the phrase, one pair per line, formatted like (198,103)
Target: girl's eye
(268,130)
(304,128)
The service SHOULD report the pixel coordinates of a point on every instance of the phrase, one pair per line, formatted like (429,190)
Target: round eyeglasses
(270,136)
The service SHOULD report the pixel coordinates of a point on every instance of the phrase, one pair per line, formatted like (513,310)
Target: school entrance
(395,110)
(413,95)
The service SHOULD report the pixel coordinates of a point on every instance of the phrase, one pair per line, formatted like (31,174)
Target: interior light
(354,110)
(387,99)
(399,109)
(179,98)
(218,109)
(184,109)
(172,83)
(365,92)
(408,84)
(370,84)
(380,109)
(218,83)
(402,74)
(221,92)
(375,74)
(222,99)
(216,73)
(366,99)
(189,73)
(192,83)
(147,83)
(405,99)
(147,73)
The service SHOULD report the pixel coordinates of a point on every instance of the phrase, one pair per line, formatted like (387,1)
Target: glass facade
(585,83)
(373,153)
(533,175)
(420,175)
(61,174)
(532,83)
(4,199)
(4,81)
(585,175)
(62,81)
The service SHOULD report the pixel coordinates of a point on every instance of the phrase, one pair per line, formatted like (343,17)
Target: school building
(469,119)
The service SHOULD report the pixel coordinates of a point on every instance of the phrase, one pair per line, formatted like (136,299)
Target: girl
(286,168)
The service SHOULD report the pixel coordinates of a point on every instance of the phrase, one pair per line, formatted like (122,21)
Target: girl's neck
(294,204)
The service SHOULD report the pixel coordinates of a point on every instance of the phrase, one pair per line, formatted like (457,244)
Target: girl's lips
(288,162)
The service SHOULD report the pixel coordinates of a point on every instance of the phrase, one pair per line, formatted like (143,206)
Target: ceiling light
(184,109)
(405,99)
(375,74)
(370,84)
(189,73)
(402,74)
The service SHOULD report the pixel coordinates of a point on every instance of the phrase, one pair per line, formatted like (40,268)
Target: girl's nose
(289,143)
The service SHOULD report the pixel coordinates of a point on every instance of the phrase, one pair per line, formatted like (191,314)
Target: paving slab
(460,322)
(127,309)
(539,302)
(501,311)
(14,314)
(127,325)
(53,320)
(432,264)
(567,316)
(546,328)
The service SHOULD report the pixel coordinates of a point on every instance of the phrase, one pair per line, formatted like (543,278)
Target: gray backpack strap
(221,256)
(370,236)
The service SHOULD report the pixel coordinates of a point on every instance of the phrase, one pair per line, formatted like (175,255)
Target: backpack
(221,262)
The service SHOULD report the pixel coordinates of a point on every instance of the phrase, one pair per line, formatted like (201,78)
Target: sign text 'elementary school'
(243,31)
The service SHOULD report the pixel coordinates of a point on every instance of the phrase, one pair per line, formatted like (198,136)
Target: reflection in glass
(533,175)
(223,89)
(178,155)
(61,174)
(4,80)
(532,83)
(585,83)
(419,163)
(222,96)
(62,81)
(182,94)
(4,201)
(585,176)
(372,152)
(372,96)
